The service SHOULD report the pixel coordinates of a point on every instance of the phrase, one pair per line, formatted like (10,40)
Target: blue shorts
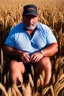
(28,67)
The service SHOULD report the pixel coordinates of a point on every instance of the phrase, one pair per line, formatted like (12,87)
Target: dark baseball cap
(30,10)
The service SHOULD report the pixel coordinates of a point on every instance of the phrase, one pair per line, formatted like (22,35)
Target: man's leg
(16,69)
(44,64)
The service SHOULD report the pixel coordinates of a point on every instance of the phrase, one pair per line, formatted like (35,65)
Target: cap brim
(31,14)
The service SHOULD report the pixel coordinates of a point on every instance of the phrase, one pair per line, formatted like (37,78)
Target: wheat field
(50,13)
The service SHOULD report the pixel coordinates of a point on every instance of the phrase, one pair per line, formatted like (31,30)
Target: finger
(32,56)
(35,57)
(27,59)
(33,60)
(37,60)
(23,59)
(27,55)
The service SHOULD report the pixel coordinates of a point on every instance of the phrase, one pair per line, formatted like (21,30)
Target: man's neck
(30,32)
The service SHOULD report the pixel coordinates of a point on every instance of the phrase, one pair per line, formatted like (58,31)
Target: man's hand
(24,56)
(36,57)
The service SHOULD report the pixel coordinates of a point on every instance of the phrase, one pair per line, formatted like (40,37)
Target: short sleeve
(50,36)
(10,41)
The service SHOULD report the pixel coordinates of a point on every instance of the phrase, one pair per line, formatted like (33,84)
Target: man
(30,42)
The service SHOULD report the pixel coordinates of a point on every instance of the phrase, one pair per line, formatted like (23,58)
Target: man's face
(30,22)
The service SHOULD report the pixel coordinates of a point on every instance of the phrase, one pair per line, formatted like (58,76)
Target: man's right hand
(24,56)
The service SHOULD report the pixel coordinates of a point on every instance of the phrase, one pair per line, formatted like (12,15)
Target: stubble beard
(30,27)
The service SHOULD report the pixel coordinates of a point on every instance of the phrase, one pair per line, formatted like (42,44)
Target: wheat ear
(3,89)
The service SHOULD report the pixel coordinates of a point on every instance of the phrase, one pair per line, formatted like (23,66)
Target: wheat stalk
(45,90)
(27,90)
(3,89)
(17,90)
(52,90)
(41,80)
(38,83)
(56,92)
(32,69)
(9,92)
(59,85)
(14,92)
(31,81)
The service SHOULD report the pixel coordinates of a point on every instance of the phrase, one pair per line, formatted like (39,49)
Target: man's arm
(48,51)
(51,49)
(11,51)
(24,56)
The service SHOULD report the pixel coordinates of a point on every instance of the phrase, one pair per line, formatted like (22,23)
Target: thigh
(15,65)
(44,63)
(23,67)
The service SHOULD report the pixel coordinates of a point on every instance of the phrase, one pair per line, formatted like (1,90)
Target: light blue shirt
(19,39)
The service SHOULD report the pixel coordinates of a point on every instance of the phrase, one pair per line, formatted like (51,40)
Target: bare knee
(45,61)
(15,66)
(44,64)
(21,67)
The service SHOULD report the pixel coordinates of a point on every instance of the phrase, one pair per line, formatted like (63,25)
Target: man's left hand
(36,57)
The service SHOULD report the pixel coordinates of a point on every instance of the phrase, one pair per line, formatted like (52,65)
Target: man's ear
(22,16)
(38,16)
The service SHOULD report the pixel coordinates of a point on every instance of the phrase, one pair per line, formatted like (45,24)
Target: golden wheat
(17,90)
(3,89)
(51,15)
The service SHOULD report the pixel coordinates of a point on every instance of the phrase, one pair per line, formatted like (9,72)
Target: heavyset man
(30,42)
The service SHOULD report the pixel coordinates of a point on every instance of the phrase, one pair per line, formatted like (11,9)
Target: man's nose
(31,20)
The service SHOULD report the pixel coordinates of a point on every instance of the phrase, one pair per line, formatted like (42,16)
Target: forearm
(50,50)
(11,52)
